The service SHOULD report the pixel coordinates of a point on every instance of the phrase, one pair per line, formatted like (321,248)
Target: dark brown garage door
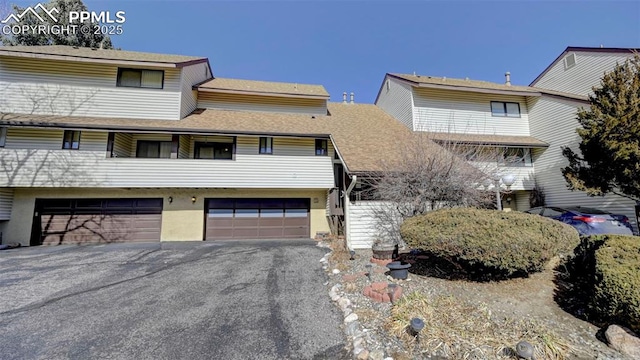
(75,221)
(257,218)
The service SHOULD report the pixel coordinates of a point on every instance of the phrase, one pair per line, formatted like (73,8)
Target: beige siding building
(107,145)
(537,120)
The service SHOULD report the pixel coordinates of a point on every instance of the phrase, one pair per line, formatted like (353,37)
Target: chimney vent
(352,98)
(344,97)
(507,78)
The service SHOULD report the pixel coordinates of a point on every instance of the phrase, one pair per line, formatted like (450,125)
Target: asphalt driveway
(260,300)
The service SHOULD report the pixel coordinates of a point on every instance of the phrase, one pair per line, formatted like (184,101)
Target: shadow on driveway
(223,300)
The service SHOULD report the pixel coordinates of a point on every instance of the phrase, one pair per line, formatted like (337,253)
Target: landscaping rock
(352,328)
(335,271)
(363,355)
(350,318)
(344,303)
(623,340)
(376,355)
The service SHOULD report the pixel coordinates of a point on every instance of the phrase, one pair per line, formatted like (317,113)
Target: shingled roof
(264,88)
(461,84)
(364,134)
(481,86)
(84,54)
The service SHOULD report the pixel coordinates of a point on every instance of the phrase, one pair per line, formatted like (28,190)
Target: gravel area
(366,321)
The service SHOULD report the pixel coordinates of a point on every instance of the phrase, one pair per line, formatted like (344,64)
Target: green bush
(616,295)
(495,242)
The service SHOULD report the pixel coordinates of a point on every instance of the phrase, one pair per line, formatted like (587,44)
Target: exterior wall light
(170,199)
(193,199)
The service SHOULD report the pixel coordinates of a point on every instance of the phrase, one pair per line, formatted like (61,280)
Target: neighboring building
(530,123)
(578,69)
(107,145)
(553,120)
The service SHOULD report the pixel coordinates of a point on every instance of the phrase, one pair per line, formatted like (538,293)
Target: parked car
(588,221)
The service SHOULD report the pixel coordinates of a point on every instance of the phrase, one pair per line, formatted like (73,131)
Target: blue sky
(350,45)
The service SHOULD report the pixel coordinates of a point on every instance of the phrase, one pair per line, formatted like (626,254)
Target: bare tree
(430,175)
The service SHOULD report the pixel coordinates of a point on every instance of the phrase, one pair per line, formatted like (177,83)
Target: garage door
(257,219)
(75,221)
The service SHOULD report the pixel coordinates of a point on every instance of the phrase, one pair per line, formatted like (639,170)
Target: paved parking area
(250,300)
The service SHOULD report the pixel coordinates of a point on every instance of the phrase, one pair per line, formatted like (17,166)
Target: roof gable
(582,49)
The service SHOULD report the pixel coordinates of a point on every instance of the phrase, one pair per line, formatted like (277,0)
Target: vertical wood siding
(36,86)
(191,75)
(397,101)
(555,123)
(6,203)
(362,224)
(586,73)
(466,112)
(122,145)
(184,147)
(238,102)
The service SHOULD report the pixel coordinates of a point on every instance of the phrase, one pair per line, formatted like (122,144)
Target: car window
(552,212)
(535,210)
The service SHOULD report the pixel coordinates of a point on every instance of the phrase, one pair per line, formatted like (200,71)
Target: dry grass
(340,256)
(351,288)
(365,314)
(460,330)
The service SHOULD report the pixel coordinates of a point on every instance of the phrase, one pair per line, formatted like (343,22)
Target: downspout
(347,234)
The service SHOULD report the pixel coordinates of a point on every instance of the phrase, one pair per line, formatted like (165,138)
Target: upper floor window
(214,150)
(505,109)
(266,145)
(71,140)
(3,136)
(515,157)
(570,61)
(154,149)
(321,147)
(139,78)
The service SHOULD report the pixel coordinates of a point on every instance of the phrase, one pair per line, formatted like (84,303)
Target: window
(218,151)
(149,79)
(569,61)
(506,109)
(266,145)
(154,149)
(515,157)
(71,140)
(3,136)
(321,147)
